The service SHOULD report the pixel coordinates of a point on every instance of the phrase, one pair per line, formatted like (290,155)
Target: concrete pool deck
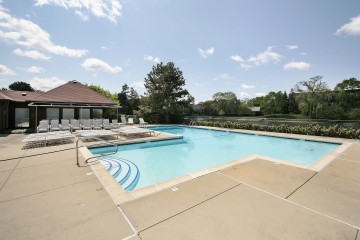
(44,195)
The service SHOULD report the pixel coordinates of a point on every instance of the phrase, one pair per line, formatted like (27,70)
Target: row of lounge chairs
(82,124)
(43,139)
(58,137)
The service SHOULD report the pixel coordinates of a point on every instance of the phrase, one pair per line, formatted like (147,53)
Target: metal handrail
(97,138)
(192,123)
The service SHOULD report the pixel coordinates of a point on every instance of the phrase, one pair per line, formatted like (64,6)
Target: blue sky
(248,47)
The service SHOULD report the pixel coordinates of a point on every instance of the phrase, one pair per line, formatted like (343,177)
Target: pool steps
(124,171)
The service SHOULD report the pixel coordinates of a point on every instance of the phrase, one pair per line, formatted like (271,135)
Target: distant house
(23,109)
(197,108)
(255,110)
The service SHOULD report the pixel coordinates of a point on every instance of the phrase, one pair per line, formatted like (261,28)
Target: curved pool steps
(124,171)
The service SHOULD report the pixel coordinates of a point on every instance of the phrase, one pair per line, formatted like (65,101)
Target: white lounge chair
(133,131)
(123,119)
(106,124)
(142,122)
(130,121)
(43,126)
(65,125)
(54,125)
(74,125)
(97,124)
(115,124)
(86,125)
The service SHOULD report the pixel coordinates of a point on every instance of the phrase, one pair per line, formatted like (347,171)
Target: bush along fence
(311,129)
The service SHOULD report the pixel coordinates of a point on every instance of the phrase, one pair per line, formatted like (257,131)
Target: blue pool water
(200,148)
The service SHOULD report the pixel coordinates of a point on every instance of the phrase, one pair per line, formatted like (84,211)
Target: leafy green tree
(354,114)
(134,100)
(166,96)
(348,84)
(109,113)
(284,103)
(226,103)
(106,93)
(347,94)
(293,106)
(209,108)
(130,100)
(269,104)
(21,86)
(123,99)
(311,93)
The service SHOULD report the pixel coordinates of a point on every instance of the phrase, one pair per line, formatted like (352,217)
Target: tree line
(167,101)
(312,98)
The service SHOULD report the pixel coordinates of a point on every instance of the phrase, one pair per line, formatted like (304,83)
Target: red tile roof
(71,92)
(18,96)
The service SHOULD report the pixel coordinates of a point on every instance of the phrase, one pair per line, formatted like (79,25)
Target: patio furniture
(65,125)
(97,124)
(133,131)
(106,124)
(86,124)
(95,133)
(54,125)
(130,121)
(74,125)
(142,122)
(43,139)
(115,124)
(123,119)
(43,126)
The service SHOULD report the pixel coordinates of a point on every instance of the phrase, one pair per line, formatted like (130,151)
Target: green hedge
(311,129)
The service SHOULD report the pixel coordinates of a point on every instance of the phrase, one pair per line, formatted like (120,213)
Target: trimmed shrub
(311,129)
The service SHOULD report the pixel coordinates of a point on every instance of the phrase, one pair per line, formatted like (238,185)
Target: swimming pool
(138,165)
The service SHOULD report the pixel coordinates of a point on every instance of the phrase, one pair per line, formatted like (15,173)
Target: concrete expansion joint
(187,209)
(301,185)
(49,190)
(294,203)
(12,171)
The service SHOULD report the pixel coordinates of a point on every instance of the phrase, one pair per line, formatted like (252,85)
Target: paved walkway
(46,196)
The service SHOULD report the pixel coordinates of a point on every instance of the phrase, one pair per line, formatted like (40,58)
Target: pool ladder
(92,137)
(192,123)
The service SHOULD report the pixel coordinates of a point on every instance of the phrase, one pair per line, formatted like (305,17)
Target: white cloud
(31,54)
(108,9)
(265,57)
(223,76)
(82,16)
(244,95)
(351,28)
(260,94)
(292,47)
(28,34)
(138,86)
(297,66)
(94,64)
(237,58)
(45,84)
(198,84)
(262,58)
(207,52)
(35,69)
(6,71)
(151,59)
(104,48)
(246,86)
(303,54)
